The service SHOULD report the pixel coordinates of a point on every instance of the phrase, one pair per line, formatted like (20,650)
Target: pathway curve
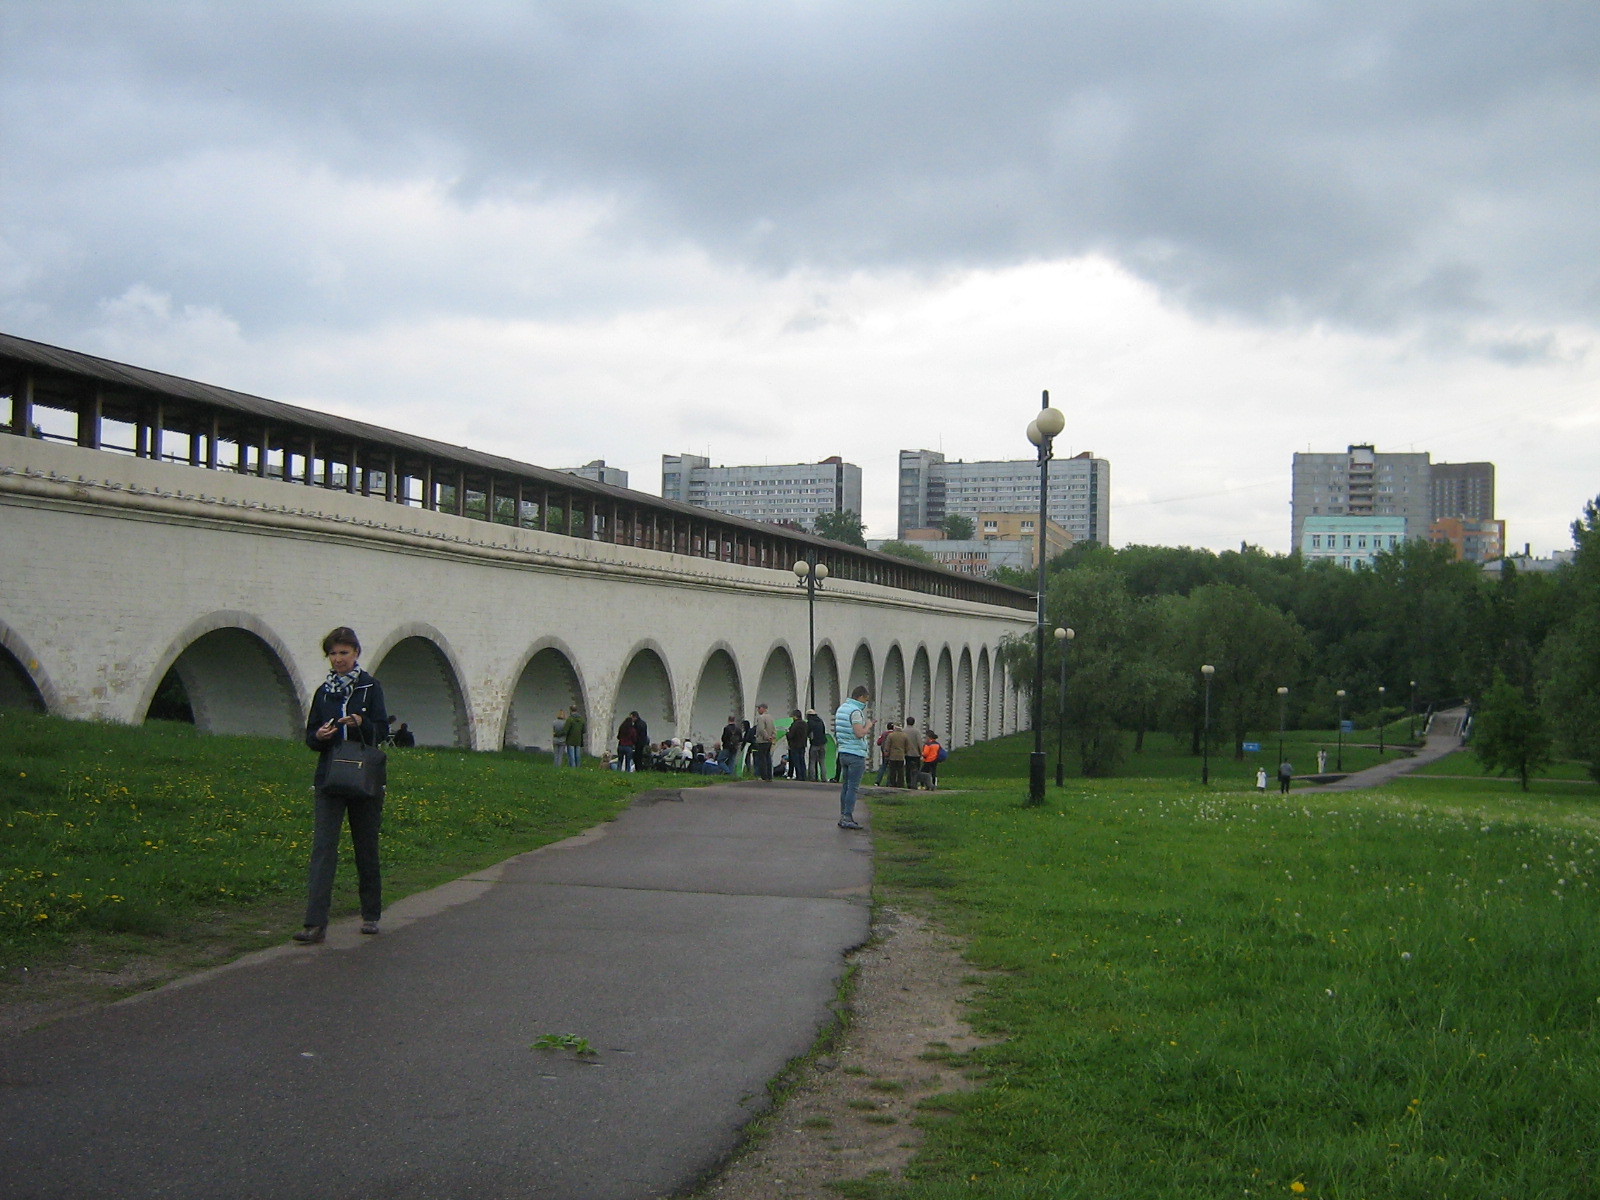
(1444,737)
(696,943)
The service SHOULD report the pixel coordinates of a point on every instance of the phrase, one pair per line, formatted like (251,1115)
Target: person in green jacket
(573,736)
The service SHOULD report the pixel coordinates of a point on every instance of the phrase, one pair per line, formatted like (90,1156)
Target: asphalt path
(696,943)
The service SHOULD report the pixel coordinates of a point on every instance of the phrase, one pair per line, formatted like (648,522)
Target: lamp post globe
(1206,672)
(1283,713)
(1041,432)
(809,574)
(1413,710)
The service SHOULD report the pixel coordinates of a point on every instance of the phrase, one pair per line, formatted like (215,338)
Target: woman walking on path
(347,707)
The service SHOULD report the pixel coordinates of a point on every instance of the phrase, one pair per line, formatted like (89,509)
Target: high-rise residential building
(1463,490)
(932,488)
(796,493)
(599,472)
(1362,494)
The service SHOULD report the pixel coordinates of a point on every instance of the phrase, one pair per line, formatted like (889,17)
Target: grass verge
(1207,992)
(120,841)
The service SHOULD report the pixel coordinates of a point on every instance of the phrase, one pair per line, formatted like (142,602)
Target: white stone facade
(117,569)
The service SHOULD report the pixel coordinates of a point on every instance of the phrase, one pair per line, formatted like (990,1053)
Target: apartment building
(932,487)
(796,493)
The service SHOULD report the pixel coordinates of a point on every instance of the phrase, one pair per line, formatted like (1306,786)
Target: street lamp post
(1064,640)
(1205,768)
(810,574)
(1340,694)
(1381,690)
(1042,431)
(1413,710)
(1283,718)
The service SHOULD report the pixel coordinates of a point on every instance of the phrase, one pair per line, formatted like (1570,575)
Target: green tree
(908,551)
(1569,662)
(958,528)
(842,526)
(1509,733)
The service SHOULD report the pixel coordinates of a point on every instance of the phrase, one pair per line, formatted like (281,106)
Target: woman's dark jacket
(365,699)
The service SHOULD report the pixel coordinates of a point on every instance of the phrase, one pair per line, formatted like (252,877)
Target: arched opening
(547,685)
(919,698)
(420,687)
(981,699)
(17,688)
(777,689)
(894,687)
(645,688)
(941,705)
(232,682)
(717,697)
(824,693)
(861,671)
(961,719)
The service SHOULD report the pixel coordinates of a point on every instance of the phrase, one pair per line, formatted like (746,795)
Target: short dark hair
(861,692)
(342,636)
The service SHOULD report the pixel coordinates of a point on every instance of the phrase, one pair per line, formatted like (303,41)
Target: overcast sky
(773,231)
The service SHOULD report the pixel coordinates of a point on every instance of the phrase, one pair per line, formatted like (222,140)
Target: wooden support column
(22,408)
(89,419)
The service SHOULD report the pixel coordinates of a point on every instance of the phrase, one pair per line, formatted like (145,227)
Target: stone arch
(236,674)
(861,671)
(919,688)
(982,697)
(23,685)
(778,688)
(826,679)
(547,682)
(941,702)
(645,687)
(961,718)
(422,686)
(894,686)
(718,694)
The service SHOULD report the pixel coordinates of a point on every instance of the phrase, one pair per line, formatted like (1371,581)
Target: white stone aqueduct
(115,570)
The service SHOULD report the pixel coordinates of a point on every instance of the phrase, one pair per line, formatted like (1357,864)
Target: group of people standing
(911,757)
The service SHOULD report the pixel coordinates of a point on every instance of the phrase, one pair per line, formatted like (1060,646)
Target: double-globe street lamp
(1206,672)
(1064,639)
(1042,432)
(810,574)
(1340,764)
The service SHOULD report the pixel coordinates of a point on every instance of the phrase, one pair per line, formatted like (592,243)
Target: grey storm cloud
(1372,164)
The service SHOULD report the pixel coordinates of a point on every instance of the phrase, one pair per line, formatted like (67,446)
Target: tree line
(1416,624)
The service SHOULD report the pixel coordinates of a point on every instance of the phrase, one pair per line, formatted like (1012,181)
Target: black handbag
(356,771)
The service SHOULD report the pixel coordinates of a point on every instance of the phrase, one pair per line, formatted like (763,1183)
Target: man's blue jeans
(853,767)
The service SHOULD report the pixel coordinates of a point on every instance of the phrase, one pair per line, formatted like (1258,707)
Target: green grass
(1206,993)
(157,832)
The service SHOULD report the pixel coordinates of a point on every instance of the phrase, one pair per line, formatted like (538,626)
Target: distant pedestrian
(798,736)
(819,743)
(627,743)
(1261,779)
(897,753)
(573,736)
(932,752)
(851,729)
(913,751)
(883,754)
(763,734)
(558,738)
(1285,776)
(348,707)
(730,744)
(1322,762)
(404,738)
